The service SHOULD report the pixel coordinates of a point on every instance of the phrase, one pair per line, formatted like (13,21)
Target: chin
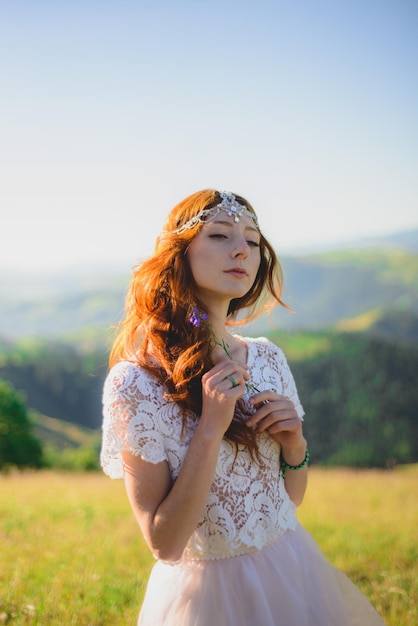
(238,295)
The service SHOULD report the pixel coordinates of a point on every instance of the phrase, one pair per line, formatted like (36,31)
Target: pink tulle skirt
(288,583)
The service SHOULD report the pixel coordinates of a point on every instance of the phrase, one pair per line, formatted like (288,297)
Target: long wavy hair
(156,332)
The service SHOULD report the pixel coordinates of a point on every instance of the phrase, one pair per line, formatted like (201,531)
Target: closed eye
(218,236)
(250,242)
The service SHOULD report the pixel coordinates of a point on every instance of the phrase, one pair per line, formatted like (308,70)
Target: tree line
(361,403)
(360,397)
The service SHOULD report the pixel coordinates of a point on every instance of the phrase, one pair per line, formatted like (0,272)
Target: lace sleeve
(288,382)
(131,401)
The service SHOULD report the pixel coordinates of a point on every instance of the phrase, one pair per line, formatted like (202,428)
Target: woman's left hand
(277,415)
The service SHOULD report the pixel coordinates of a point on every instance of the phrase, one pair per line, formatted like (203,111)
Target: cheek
(199,254)
(256,262)
(201,269)
(199,262)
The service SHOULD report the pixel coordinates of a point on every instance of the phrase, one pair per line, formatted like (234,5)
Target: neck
(217,322)
(222,340)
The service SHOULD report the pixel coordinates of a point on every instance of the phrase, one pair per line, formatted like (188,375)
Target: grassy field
(71,553)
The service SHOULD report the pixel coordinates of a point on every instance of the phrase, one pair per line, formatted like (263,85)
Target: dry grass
(71,553)
(366,524)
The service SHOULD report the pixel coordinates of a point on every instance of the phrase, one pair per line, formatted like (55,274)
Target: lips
(237,271)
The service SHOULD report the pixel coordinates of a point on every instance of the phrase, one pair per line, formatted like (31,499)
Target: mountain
(354,353)
(323,289)
(405,240)
(326,288)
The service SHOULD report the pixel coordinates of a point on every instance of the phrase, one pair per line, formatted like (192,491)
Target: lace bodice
(247,506)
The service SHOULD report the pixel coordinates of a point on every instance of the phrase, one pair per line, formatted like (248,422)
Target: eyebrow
(228,223)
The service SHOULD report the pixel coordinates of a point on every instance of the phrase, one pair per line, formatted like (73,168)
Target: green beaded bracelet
(285,466)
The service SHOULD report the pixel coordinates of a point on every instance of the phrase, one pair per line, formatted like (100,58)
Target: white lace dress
(249,562)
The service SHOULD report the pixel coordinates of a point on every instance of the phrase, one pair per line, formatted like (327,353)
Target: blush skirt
(287,583)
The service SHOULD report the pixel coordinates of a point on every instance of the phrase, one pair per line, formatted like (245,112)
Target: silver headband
(229,204)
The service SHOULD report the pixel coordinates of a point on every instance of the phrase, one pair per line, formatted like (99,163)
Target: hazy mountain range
(360,283)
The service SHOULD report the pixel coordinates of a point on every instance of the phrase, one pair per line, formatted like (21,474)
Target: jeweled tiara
(229,204)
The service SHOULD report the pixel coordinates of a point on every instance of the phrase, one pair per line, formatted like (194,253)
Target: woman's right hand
(222,387)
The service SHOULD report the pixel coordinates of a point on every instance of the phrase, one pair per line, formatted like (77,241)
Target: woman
(205,426)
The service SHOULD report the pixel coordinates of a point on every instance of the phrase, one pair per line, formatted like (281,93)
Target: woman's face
(224,258)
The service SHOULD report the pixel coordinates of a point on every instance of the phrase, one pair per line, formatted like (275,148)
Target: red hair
(157,310)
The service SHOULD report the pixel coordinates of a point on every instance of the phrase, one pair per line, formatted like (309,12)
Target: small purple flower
(196,318)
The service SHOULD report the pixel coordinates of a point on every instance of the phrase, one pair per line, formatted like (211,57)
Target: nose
(241,248)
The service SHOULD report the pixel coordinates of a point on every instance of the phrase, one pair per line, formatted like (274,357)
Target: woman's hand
(222,386)
(277,415)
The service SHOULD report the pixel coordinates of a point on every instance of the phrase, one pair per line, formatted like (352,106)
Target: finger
(232,381)
(266,396)
(235,380)
(232,377)
(279,421)
(289,426)
(231,384)
(271,412)
(228,364)
(279,409)
(232,372)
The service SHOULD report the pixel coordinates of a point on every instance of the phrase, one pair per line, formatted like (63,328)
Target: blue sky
(112,112)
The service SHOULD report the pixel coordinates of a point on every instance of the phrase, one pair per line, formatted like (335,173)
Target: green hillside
(66,445)
(359,393)
(323,289)
(360,396)
(390,265)
(57,379)
(352,344)
(62,435)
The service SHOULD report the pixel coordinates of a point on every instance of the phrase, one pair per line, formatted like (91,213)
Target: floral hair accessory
(229,204)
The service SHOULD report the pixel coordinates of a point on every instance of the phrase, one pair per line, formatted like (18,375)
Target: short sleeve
(286,377)
(132,400)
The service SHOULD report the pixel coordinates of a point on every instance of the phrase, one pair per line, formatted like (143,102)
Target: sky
(113,112)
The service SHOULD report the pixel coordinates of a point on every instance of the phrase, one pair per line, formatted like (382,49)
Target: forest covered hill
(359,392)
(322,288)
(352,345)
